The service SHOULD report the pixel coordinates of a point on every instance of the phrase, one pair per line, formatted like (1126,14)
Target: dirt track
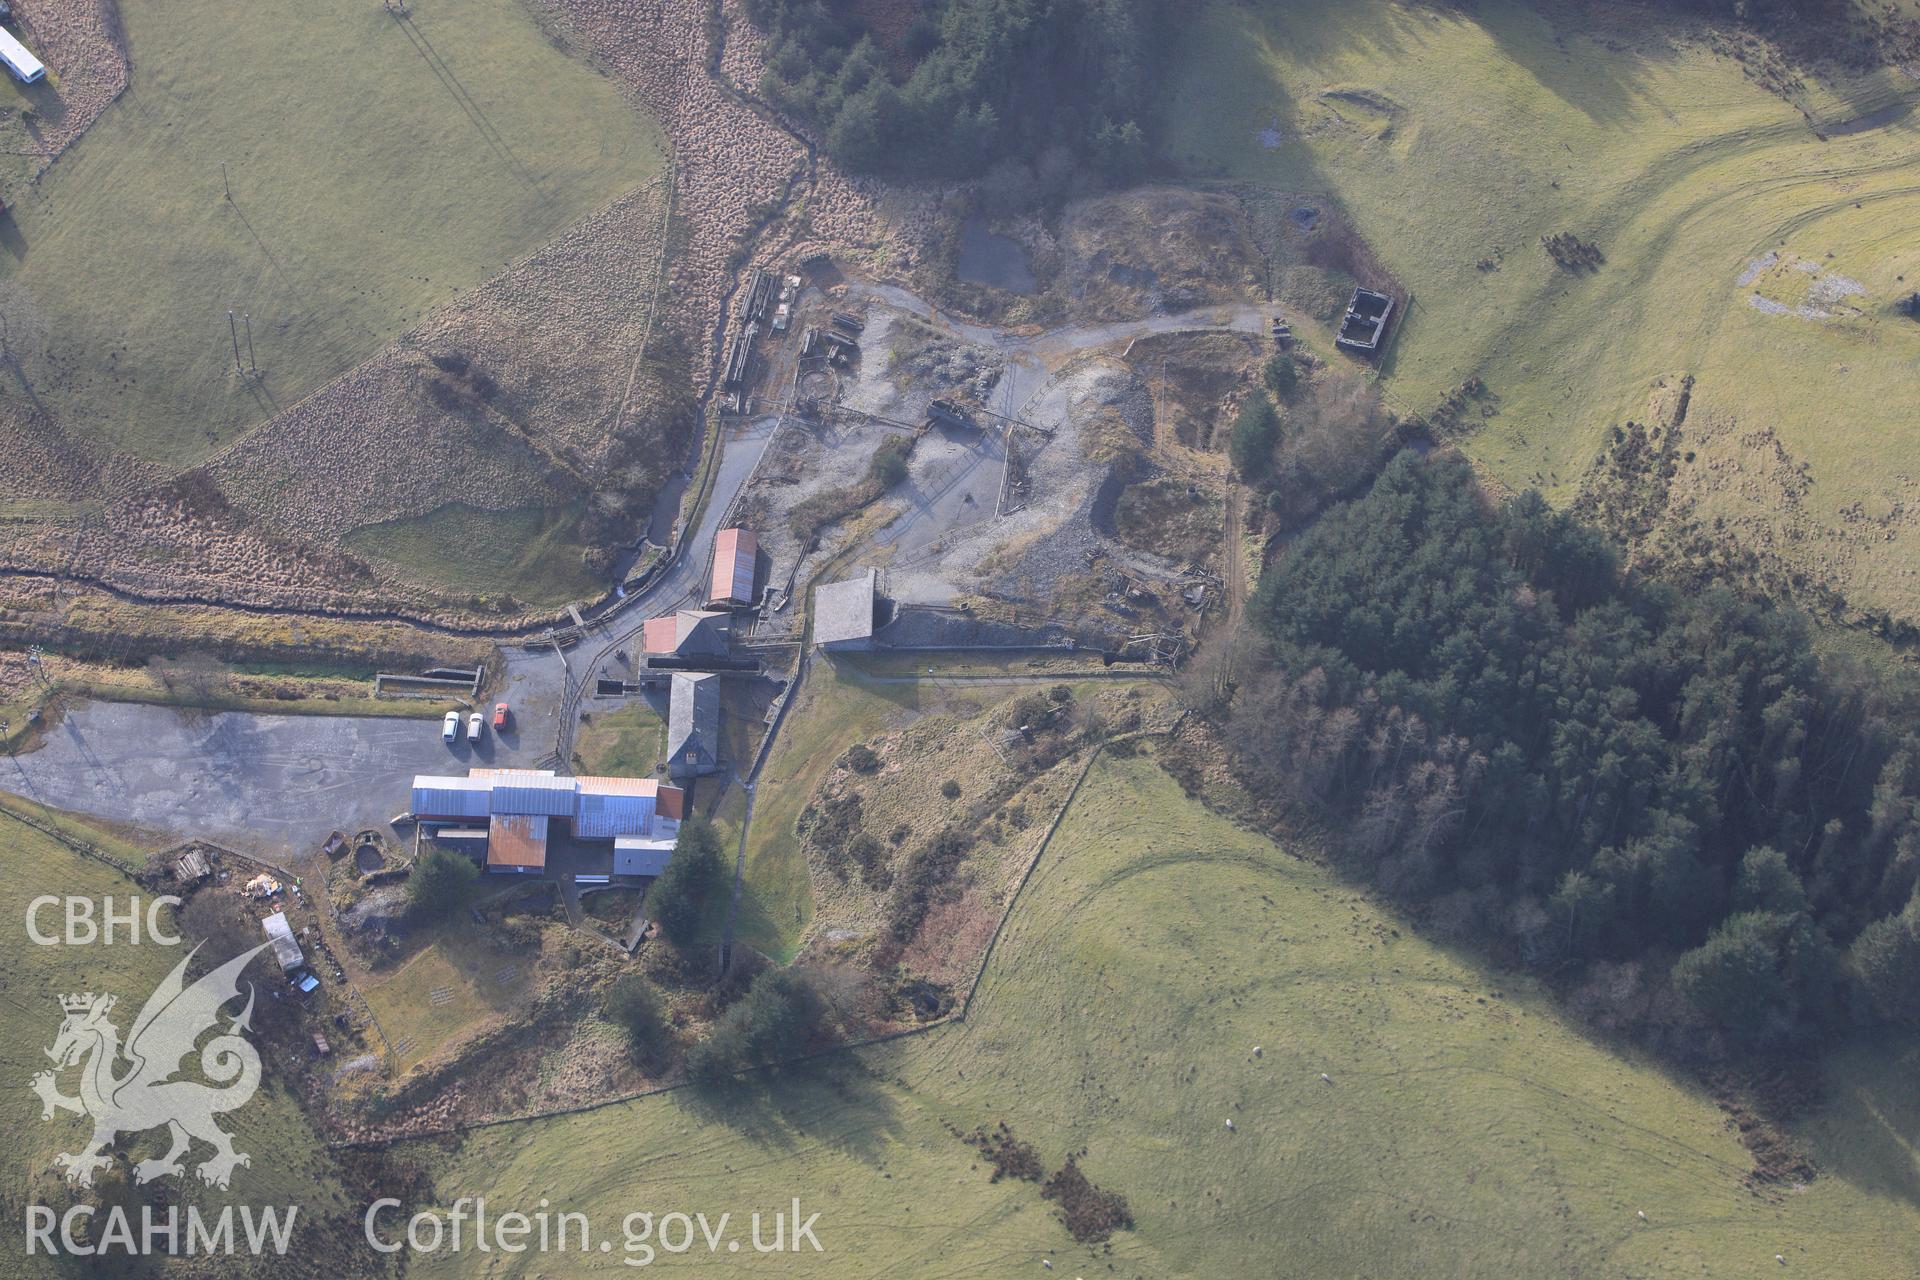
(280,782)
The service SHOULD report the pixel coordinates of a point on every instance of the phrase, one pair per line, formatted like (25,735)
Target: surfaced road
(276,785)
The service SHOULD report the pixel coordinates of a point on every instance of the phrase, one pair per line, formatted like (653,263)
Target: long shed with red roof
(736,554)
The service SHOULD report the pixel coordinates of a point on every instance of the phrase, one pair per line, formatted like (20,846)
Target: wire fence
(956,1015)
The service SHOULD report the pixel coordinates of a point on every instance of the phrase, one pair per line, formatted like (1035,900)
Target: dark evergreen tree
(440,883)
(1256,429)
(677,900)
(777,1018)
(633,1005)
(1886,959)
(989,80)
(1475,697)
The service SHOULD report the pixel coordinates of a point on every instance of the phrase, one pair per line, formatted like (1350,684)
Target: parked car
(450,727)
(499,715)
(475,727)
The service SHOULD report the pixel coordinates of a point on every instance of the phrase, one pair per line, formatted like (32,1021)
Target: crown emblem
(80,1003)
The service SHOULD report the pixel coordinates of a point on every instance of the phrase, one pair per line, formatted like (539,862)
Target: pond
(992,260)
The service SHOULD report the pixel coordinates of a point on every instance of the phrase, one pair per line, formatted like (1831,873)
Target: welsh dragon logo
(146,1094)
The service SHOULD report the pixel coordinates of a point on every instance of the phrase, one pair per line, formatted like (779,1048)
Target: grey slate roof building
(690,633)
(693,725)
(843,612)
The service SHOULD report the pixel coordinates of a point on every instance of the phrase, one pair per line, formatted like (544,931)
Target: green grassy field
(836,709)
(1454,139)
(630,742)
(525,552)
(1467,1130)
(376,167)
(288,1164)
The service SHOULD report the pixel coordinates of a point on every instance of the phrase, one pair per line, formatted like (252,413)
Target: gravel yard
(1047,546)
(271,784)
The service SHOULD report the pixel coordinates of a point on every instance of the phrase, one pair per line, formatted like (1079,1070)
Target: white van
(450,727)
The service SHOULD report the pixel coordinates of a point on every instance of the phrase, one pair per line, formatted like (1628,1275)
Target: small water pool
(992,260)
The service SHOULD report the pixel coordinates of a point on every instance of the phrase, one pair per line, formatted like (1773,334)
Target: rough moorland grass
(376,167)
(1455,137)
(288,1164)
(460,971)
(967,662)
(1467,1131)
(99,627)
(286,698)
(848,700)
(267,693)
(1157,515)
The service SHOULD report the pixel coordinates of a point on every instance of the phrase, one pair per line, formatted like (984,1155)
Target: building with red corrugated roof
(736,556)
(690,633)
(506,817)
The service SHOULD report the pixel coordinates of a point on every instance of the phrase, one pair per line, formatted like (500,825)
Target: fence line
(956,1015)
(82,847)
(1046,842)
